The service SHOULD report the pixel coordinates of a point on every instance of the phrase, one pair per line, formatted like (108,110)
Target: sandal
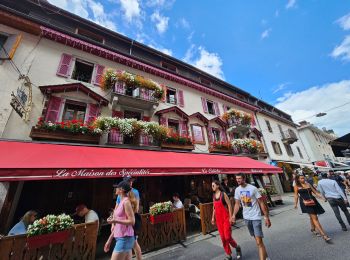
(239,252)
(313,231)
(326,238)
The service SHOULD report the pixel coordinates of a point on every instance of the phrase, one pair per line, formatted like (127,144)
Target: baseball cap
(125,185)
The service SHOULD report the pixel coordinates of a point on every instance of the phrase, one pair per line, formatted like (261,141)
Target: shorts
(124,244)
(255,227)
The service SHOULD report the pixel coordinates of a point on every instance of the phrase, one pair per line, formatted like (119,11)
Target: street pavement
(288,238)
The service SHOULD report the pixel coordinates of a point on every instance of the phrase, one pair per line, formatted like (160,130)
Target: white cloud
(131,9)
(207,61)
(280,87)
(183,23)
(190,36)
(291,4)
(160,3)
(266,33)
(162,49)
(160,21)
(88,9)
(344,22)
(342,51)
(305,104)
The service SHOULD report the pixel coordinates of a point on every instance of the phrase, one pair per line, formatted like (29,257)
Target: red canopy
(34,161)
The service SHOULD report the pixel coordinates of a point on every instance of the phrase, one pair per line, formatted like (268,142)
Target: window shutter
(204,105)
(116,113)
(164,93)
(253,121)
(216,108)
(93,111)
(180,98)
(163,121)
(183,128)
(146,118)
(53,110)
(98,73)
(120,87)
(10,46)
(224,108)
(223,136)
(65,65)
(210,135)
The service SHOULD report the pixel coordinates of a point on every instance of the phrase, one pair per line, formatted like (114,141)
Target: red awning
(35,161)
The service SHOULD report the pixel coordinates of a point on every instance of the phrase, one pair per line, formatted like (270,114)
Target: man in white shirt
(250,198)
(177,202)
(335,197)
(88,214)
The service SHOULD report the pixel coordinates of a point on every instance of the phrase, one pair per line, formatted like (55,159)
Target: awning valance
(39,161)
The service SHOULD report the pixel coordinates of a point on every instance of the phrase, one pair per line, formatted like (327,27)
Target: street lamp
(321,114)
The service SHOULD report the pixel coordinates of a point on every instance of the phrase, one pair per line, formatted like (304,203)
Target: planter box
(161,218)
(178,146)
(220,150)
(46,239)
(39,134)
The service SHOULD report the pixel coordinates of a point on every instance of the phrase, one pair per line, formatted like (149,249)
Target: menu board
(197,133)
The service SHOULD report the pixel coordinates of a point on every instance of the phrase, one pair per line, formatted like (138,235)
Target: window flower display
(247,145)
(72,126)
(174,138)
(50,224)
(221,145)
(110,77)
(237,117)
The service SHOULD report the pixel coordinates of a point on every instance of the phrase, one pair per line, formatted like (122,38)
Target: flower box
(161,218)
(220,150)
(187,147)
(64,136)
(47,239)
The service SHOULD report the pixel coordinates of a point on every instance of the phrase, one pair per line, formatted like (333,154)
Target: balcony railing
(117,138)
(289,136)
(236,125)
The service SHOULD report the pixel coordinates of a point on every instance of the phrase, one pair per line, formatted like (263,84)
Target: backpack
(138,224)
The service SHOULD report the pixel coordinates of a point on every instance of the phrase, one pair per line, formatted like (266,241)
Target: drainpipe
(130,51)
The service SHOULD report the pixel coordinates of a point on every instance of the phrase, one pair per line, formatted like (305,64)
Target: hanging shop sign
(21,101)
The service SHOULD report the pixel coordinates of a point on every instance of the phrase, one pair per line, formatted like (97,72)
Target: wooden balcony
(236,126)
(117,138)
(135,97)
(220,150)
(63,136)
(289,137)
(185,147)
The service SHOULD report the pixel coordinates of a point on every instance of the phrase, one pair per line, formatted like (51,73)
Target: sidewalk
(288,200)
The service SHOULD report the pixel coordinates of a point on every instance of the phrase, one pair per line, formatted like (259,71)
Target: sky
(292,54)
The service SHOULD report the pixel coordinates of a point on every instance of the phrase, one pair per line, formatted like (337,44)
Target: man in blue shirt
(131,180)
(336,198)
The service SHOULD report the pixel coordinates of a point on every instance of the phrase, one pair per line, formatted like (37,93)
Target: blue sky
(291,53)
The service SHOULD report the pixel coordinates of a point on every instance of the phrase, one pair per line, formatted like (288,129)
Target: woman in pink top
(123,220)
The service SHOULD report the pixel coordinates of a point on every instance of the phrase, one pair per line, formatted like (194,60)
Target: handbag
(309,202)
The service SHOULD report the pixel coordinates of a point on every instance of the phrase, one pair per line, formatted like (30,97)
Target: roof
(48,89)
(173,109)
(38,161)
(201,117)
(340,144)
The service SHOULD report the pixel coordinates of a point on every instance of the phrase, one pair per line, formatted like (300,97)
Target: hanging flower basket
(47,239)
(161,218)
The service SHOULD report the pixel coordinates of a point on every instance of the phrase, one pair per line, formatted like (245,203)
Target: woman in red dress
(222,212)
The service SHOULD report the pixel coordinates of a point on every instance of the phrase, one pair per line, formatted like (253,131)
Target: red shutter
(115,137)
(223,136)
(164,93)
(120,87)
(65,65)
(210,135)
(98,73)
(180,98)
(204,105)
(146,118)
(116,113)
(224,108)
(53,110)
(183,128)
(163,121)
(216,109)
(93,112)
(253,121)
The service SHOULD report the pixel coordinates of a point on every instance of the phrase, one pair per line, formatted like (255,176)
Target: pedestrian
(222,212)
(22,226)
(333,176)
(224,185)
(89,215)
(123,220)
(309,204)
(177,202)
(335,197)
(251,200)
(131,180)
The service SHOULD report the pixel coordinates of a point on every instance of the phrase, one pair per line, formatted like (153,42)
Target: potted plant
(51,229)
(176,141)
(236,117)
(161,212)
(247,146)
(220,147)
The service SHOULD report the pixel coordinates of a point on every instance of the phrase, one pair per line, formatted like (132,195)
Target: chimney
(302,123)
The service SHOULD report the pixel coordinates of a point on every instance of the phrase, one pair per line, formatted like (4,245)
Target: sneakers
(239,252)
(344,229)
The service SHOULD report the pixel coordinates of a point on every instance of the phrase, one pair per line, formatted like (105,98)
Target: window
(132,114)
(210,106)
(168,66)
(300,154)
(8,45)
(205,82)
(74,111)
(276,147)
(3,39)
(216,135)
(173,125)
(90,35)
(197,134)
(281,131)
(171,96)
(83,71)
(268,126)
(289,149)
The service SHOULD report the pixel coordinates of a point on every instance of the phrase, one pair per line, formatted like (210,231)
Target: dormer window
(168,66)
